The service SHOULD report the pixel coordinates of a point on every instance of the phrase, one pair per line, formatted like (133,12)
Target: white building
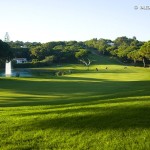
(20,60)
(111,44)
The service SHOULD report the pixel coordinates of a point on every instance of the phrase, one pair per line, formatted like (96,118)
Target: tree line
(126,49)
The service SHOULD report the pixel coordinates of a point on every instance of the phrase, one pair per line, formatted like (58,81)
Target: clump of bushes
(61,73)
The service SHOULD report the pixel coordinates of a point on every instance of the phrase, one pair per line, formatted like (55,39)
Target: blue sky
(65,20)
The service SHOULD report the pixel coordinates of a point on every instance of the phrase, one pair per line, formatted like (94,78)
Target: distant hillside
(104,60)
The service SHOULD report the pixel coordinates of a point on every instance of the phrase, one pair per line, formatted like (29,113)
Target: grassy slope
(108,109)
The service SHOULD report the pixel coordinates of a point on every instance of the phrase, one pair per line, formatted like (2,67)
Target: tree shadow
(79,103)
(98,119)
(68,90)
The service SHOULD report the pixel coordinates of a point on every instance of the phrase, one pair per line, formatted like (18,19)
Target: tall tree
(82,56)
(145,52)
(5,51)
(134,55)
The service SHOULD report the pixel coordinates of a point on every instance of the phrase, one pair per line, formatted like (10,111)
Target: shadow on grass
(79,103)
(97,119)
(68,90)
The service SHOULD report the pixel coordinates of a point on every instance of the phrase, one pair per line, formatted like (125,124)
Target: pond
(35,72)
(18,72)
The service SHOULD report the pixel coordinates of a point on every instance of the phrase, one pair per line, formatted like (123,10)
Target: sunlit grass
(108,109)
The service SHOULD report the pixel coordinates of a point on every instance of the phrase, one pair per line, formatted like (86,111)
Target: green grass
(96,110)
